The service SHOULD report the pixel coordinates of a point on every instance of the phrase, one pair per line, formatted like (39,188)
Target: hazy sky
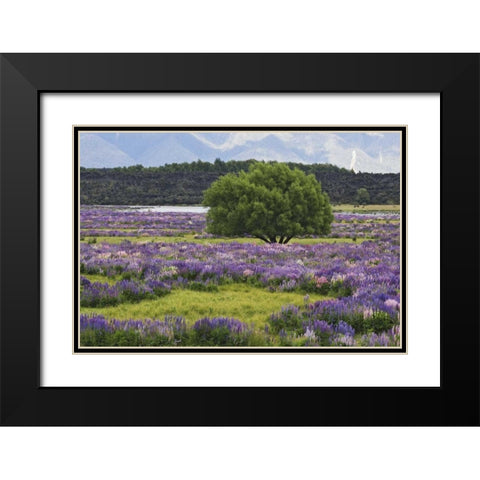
(367,151)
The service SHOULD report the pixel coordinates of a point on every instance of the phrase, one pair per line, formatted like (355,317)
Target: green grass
(240,301)
(190,238)
(102,278)
(367,208)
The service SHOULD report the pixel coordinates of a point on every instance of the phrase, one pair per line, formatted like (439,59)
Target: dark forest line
(184,183)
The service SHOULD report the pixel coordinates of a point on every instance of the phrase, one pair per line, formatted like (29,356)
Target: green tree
(270,201)
(363,197)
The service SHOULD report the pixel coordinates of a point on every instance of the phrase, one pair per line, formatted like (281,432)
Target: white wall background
(219,26)
(420,368)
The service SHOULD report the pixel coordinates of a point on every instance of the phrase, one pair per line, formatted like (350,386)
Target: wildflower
(392,303)
(319,281)
(309,333)
(367,313)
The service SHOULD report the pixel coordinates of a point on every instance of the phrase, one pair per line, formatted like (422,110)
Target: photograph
(239,239)
(193,248)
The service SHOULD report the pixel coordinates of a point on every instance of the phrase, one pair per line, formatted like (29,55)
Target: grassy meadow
(158,279)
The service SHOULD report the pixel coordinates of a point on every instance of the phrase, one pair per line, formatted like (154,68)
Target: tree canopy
(363,197)
(271,201)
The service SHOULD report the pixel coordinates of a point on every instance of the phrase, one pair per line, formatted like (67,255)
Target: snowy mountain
(362,151)
(97,152)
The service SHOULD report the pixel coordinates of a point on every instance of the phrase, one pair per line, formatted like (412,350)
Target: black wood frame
(23,77)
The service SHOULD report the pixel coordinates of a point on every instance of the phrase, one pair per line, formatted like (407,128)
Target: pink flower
(392,303)
(367,312)
(320,281)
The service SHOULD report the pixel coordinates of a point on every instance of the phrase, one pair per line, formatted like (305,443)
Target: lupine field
(156,279)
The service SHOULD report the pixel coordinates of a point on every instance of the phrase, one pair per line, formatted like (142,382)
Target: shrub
(288,319)
(220,332)
(378,322)
(202,287)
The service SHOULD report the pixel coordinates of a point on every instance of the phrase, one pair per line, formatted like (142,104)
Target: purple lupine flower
(366,275)
(342,340)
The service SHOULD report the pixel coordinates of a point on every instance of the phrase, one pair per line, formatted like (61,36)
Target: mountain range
(372,151)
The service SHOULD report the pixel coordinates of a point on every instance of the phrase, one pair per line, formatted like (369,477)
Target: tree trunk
(262,238)
(282,239)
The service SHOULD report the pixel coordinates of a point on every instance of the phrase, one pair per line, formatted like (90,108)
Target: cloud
(234,139)
(354,160)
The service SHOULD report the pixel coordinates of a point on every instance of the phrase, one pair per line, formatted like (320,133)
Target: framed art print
(172,233)
(218,262)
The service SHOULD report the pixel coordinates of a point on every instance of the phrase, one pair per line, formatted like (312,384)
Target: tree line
(185,183)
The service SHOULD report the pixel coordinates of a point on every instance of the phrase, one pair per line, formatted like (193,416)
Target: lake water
(199,209)
(167,208)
